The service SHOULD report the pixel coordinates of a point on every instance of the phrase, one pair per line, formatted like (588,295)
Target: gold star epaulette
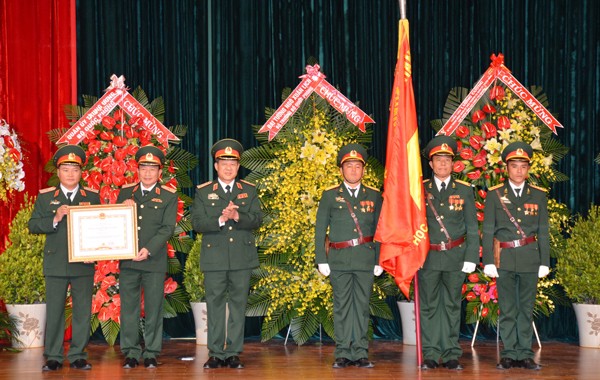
(539,188)
(426,180)
(331,187)
(371,187)
(46,190)
(128,185)
(496,187)
(247,183)
(169,189)
(462,182)
(91,190)
(204,184)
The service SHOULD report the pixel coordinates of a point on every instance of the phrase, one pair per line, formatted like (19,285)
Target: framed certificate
(102,232)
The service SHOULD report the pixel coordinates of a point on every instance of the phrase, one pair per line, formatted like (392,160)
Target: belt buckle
(354,242)
(517,243)
(442,246)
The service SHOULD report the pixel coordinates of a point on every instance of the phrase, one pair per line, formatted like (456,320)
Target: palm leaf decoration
(290,173)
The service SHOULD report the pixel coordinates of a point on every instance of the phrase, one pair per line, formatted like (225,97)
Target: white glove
(377,271)
(324,269)
(543,271)
(468,267)
(490,270)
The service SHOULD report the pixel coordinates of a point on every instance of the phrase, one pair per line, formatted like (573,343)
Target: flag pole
(402,4)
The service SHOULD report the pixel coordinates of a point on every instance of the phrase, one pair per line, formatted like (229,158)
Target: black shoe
(341,363)
(150,363)
(81,364)
(234,362)
(506,363)
(51,365)
(130,363)
(529,364)
(363,363)
(214,362)
(429,364)
(453,364)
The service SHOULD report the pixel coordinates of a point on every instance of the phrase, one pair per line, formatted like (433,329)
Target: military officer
(48,217)
(516,221)
(350,211)
(226,211)
(157,213)
(453,251)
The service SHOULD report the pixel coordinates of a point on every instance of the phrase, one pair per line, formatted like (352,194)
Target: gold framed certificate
(102,232)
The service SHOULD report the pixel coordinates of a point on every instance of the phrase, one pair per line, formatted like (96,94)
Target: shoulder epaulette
(91,190)
(46,190)
(462,182)
(539,188)
(204,184)
(169,189)
(496,187)
(426,180)
(332,187)
(247,183)
(371,187)
(128,185)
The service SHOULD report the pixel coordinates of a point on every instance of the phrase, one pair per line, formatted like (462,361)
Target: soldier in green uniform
(48,218)
(349,213)
(226,212)
(157,214)
(516,222)
(453,251)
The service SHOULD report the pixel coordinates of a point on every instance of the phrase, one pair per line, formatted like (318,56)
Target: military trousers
(351,295)
(132,283)
(516,298)
(440,301)
(226,289)
(56,293)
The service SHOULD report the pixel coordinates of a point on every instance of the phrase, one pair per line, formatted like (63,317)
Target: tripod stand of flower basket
(537,337)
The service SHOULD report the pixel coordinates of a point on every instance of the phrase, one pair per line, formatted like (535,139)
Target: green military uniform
(58,272)
(228,254)
(441,278)
(157,215)
(351,267)
(518,270)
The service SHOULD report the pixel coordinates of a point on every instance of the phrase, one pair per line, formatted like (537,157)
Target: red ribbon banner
(497,70)
(116,95)
(314,80)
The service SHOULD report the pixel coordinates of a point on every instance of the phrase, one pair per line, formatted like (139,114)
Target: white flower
(536,144)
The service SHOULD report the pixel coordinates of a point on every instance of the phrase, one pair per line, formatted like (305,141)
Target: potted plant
(22,284)
(406,308)
(578,270)
(193,281)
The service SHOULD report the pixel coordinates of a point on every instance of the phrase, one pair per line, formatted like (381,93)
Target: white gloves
(468,267)
(543,271)
(324,269)
(377,271)
(490,270)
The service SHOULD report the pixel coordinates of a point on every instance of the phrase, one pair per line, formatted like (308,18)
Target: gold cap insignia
(228,150)
(149,156)
(353,153)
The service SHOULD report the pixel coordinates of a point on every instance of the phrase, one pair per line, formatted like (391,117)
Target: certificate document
(102,232)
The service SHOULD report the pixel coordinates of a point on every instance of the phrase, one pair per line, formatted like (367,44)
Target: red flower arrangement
(498,119)
(110,149)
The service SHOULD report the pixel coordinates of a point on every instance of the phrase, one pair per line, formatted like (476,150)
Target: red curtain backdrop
(38,76)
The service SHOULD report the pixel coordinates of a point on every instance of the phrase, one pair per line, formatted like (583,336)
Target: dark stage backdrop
(219,63)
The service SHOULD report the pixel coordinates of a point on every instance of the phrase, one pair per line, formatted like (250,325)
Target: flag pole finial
(402,4)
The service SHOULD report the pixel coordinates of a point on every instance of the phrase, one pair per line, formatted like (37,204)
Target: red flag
(402,227)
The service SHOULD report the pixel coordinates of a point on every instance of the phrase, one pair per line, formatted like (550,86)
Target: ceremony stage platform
(183,359)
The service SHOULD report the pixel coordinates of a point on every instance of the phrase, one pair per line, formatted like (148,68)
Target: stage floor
(274,360)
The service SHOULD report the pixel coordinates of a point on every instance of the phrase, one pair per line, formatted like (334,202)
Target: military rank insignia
(242,196)
(213,196)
